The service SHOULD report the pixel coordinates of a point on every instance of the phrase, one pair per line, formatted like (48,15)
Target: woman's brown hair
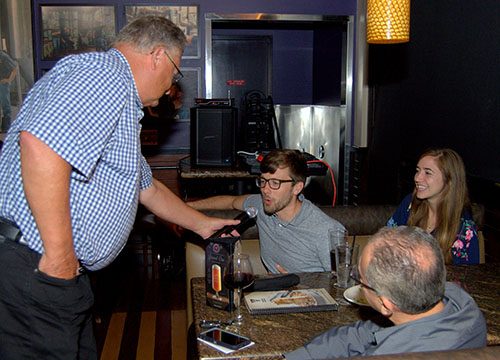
(454,201)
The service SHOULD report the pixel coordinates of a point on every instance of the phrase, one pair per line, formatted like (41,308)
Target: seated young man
(402,274)
(293,233)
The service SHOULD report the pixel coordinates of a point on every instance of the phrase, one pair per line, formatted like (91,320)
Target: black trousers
(42,317)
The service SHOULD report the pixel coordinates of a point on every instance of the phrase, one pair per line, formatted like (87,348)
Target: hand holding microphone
(247,219)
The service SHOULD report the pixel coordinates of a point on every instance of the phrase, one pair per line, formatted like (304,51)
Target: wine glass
(238,274)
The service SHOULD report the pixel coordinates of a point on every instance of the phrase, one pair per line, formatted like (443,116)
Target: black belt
(9,231)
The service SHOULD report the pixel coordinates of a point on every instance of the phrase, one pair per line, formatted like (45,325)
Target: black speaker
(213,131)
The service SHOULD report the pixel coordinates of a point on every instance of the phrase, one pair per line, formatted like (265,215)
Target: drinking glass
(238,274)
(337,237)
(346,256)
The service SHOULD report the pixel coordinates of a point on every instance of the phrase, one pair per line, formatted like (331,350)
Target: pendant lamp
(388,21)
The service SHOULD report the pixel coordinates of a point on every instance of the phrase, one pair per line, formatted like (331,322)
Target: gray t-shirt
(301,245)
(460,325)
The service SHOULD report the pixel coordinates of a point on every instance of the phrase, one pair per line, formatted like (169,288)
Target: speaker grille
(213,136)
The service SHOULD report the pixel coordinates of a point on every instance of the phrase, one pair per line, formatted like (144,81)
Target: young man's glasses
(274,184)
(354,274)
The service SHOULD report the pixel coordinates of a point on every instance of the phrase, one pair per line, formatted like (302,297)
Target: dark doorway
(241,64)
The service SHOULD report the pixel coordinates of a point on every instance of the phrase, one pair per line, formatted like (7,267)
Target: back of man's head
(294,160)
(147,32)
(407,267)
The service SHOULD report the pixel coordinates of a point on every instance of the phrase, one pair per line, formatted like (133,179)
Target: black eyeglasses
(274,184)
(177,76)
(354,274)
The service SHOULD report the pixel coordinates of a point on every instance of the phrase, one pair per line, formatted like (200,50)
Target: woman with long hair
(440,205)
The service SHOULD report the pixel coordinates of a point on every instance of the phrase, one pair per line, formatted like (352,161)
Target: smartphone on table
(225,338)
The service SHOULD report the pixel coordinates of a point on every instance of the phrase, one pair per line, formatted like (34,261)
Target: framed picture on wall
(190,89)
(75,29)
(185,17)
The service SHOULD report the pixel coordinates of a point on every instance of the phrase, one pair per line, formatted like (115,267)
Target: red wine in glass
(238,280)
(238,274)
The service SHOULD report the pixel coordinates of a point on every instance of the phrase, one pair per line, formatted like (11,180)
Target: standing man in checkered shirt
(71,178)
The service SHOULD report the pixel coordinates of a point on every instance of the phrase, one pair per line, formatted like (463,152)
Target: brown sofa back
(358,220)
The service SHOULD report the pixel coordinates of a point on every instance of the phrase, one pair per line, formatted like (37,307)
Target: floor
(137,316)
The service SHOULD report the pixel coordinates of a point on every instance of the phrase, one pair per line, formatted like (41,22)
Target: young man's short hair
(294,160)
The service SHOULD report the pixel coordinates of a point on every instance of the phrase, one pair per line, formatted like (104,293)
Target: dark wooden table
(280,333)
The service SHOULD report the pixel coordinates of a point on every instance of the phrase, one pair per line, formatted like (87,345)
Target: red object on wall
(235,82)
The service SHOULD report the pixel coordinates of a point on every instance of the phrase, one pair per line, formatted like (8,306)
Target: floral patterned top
(465,249)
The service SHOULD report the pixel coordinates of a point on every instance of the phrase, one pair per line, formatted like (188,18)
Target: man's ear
(155,58)
(387,306)
(298,187)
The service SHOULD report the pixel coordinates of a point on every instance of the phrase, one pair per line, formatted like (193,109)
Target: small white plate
(355,295)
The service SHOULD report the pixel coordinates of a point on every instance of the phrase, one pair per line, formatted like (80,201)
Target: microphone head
(252,212)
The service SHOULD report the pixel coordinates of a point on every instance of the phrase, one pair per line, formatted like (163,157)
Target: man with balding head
(402,274)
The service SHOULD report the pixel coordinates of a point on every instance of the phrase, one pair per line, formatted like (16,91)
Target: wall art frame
(191,88)
(185,17)
(75,28)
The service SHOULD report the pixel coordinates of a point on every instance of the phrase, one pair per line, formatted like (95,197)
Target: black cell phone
(225,338)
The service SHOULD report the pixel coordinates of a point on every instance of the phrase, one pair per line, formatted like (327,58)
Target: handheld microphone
(247,219)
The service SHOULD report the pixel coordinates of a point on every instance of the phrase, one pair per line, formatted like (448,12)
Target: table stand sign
(217,252)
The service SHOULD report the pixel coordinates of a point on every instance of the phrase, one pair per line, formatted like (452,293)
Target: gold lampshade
(388,21)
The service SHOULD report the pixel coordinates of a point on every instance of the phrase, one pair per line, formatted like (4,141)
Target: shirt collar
(381,335)
(129,74)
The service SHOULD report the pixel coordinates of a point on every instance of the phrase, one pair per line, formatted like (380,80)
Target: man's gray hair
(147,32)
(407,267)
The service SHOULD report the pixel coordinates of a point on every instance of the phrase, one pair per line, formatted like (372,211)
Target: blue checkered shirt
(87,109)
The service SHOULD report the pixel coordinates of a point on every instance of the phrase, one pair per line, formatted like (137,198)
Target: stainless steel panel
(320,131)
(295,125)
